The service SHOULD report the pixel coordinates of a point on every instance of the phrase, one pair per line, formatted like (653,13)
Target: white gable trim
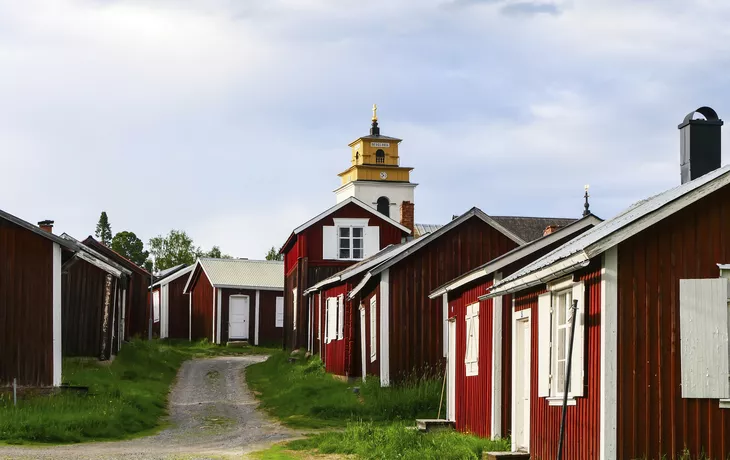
(341,205)
(174,276)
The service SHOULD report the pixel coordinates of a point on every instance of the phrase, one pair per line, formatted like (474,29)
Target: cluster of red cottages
(60,297)
(487,300)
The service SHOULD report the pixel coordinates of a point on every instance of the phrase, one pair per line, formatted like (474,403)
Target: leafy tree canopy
(273,254)
(131,247)
(215,253)
(104,229)
(173,249)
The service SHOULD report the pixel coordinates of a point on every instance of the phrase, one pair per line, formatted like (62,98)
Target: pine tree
(104,229)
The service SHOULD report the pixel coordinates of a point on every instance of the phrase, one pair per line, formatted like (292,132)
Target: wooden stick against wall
(105,318)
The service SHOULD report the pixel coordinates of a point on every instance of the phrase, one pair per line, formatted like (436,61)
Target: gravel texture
(212,416)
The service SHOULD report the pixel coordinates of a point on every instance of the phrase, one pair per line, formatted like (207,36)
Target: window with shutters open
(340,317)
(554,325)
(373,328)
(704,323)
(471,358)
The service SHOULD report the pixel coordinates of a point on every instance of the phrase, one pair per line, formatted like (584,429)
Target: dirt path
(212,415)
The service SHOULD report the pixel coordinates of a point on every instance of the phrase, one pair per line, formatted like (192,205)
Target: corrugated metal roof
(265,274)
(609,227)
(422,229)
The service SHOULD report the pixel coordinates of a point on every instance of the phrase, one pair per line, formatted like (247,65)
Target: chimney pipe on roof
(46,225)
(700,141)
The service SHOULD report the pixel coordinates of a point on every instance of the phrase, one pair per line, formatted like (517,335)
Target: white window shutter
(373,328)
(279,312)
(703,328)
(467,348)
(577,377)
(475,340)
(295,308)
(371,240)
(544,322)
(329,243)
(341,317)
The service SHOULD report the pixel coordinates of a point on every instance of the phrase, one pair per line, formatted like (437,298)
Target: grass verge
(126,398)
(303,395)
(368,440)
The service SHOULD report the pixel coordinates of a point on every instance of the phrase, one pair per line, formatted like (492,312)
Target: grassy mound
(302,395)
(126,397)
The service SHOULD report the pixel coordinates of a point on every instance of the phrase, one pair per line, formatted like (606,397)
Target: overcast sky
(230,119)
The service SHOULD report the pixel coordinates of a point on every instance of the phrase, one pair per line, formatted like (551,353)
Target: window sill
(725,404)
(558,401)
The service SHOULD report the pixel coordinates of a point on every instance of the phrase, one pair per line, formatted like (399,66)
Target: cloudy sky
(230,119)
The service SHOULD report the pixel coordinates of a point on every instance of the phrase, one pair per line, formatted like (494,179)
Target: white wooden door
(451,401)
(521,433)
(238,307)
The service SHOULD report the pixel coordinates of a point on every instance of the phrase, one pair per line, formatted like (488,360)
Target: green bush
(373,441)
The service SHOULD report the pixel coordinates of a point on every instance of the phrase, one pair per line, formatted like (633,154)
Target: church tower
(376,177)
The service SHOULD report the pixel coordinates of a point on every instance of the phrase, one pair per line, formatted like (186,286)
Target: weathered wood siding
(653,419)
(202,320)
(178,309)
(26,307)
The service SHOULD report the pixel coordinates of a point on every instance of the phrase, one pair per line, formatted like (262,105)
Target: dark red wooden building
(31,261)
(237,300)
(171,305)
(135,297)
(335,239)
(651,373)
(93,293)
(478,344)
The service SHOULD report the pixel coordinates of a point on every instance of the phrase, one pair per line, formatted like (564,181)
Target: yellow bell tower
(375,174)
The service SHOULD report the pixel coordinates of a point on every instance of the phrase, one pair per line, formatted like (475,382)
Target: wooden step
(505,455)
(428,424)
(237,343)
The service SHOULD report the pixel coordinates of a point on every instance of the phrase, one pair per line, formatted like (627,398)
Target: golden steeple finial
(375,112)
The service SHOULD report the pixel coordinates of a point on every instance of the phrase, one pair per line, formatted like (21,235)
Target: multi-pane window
(562,338)
(351,242)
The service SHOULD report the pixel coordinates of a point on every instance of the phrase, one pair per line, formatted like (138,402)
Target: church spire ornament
(374,129)
(586,206)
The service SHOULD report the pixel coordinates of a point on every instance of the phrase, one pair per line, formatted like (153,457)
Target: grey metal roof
(244,273)
(37,230)
(168,271)
(624,219)
(422,229)
(531,228)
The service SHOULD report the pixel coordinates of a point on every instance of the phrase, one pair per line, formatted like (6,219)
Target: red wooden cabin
(651,369)
(478,345)
(31,261)
(93,291)
(135,297)
(335,239)
(171,304)
(236,300)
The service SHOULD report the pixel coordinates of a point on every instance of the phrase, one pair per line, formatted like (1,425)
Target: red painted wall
(653,418)
(582,420)
(336,359)
(202,321)
(178,308)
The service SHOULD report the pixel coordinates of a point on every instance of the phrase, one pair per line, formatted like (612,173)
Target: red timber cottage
(31,261)
(478,336)
(135,295)
(93,302)
(391,327)
(374,190)
(236,300)
(171,305)
(650,377)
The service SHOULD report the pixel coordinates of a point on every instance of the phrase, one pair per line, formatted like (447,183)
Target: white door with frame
(451,370)
(521,382)
(238,317)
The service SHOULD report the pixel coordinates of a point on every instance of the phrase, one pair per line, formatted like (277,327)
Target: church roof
(531,228)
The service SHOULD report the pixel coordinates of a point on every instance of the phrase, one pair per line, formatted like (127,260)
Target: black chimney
(699,151)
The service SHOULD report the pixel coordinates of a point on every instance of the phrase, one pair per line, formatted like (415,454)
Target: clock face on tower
(383,175)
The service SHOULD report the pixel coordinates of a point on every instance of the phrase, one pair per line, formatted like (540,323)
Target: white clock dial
(383,175)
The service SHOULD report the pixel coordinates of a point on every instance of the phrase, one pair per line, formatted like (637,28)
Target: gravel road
(212,416)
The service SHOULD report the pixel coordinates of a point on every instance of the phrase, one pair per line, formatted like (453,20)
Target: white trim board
(57,315)
(385,328)
(258,316)
(174,276)
(609,352)
(496,350)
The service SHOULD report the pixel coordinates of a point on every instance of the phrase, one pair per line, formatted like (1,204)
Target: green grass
(276,452)
(373,441)
(126,398)
(302,395)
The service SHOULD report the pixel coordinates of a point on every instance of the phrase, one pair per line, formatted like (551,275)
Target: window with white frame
(279,312)
(704,327)
(351,241)
(373,328)
(471,358)
(555,320)
(294,308)
(340,317)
